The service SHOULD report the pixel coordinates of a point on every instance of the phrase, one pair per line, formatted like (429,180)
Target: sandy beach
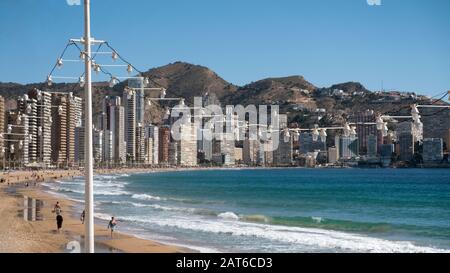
(21,236)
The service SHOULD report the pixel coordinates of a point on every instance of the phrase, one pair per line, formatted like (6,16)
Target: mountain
(293,89)
(301,100)
(187,81)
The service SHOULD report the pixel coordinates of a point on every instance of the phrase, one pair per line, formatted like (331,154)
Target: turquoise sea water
(280,210)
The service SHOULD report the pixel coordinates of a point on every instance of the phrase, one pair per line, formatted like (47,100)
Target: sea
(277,210)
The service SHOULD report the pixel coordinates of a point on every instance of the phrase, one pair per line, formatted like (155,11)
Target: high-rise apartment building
(164,143)
(2,129)
(432,150)
(73,119)
(187,145)
(79,145)
(347,146)
(364,130)
(140,144)
(283,154)
(59,130)
(44,125)
(129,103)
(152,145)
(307,144)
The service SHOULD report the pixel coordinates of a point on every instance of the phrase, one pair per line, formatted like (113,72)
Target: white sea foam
(228,216)
(300,238)
(144,196)
(102,216)
(317,219)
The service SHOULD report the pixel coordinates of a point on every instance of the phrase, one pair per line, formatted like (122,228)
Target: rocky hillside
(304,103)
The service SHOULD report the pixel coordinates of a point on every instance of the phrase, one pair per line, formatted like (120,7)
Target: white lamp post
(88,168)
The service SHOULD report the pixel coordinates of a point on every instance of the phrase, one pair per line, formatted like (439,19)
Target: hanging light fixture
(11,148)
(9,130)
(163,93)
(81,81)
(114,55)
(96,68)
(353,131)
(129,68)
(146,81)
(19,119)
(167,113)
(347,129)
(315,133)
(323,135)
(59,63)
(39,93)
(112,82)
(380,123)
(49,80)
(385,129)
(60,110)
(287,135)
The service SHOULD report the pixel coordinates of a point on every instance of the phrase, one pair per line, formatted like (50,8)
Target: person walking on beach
(112,225)
(83,214)
(59,218)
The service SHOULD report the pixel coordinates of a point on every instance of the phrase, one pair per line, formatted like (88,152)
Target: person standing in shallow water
(112,225)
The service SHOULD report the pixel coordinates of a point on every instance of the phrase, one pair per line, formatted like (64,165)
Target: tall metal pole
(88,168)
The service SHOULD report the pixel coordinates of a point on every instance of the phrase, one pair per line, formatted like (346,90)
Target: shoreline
(40,236)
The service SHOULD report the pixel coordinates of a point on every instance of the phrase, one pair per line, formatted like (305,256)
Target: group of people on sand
(112,224)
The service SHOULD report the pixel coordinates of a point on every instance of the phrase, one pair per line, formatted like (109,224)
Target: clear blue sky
(404,43)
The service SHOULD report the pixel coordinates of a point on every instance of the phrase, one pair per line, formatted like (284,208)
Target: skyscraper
(140,143)
(152,145)
(283,155)
(59,130)
(2,129)
(406,140)
(308,145)
(43,116)
(164,143)
(73,118)
(28,107)
(372,146)
(187,145)
(432,150)
(112,122)
(363,131)
(79,145)
(347,147)
(129,101)
(250,151)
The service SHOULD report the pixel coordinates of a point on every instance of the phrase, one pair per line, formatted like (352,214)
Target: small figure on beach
(57,206)
(59,219)
(83,215)
(112,225)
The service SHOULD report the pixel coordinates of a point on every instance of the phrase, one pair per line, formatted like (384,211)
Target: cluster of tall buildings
(46,129)
(40,130)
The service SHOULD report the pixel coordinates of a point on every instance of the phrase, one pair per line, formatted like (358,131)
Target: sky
(400,44)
